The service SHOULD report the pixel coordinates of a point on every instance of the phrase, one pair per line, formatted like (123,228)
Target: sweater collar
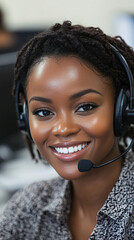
(121,198)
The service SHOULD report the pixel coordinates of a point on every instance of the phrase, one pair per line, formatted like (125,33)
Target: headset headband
(129,74)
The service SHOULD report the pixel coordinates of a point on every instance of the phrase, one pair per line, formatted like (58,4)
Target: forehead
(68,73)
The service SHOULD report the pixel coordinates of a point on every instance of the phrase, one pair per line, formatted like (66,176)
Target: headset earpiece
(23,121)
(22,112)
(26,118)
(124,108)
(120,126)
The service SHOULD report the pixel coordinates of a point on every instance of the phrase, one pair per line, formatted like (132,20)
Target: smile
(69,152)
(72,149)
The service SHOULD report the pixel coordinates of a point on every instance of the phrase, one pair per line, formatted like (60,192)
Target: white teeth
(65,150)
(60,150)
(70,149)
(75,149)
(79,147)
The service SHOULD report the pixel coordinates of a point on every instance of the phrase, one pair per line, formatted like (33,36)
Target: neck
(91,190)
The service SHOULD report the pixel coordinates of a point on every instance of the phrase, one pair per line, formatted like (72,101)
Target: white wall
(42,13)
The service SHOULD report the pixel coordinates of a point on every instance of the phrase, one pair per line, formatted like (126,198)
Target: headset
(124,107)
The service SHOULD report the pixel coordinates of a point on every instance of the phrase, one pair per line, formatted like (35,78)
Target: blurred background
(19,21)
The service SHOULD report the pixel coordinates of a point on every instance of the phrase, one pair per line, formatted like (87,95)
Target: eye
(86,107)
(43,113)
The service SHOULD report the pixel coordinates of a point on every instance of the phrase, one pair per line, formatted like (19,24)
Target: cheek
(39,133)
(100,124)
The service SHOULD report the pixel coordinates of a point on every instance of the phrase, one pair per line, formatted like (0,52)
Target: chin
(70,175)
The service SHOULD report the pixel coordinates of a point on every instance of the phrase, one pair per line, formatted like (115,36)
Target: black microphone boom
(85,165)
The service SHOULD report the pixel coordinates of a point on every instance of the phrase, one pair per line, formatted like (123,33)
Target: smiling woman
(56,121)
(67,84)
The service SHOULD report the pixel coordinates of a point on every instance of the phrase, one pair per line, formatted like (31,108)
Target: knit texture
(41,211)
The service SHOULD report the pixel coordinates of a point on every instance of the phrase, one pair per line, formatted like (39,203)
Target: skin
(53,87)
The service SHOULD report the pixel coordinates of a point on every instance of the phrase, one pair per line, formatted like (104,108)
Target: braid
(87,43)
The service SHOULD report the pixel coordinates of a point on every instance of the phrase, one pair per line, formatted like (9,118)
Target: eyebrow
(40,99)
(74,96)
(84,92)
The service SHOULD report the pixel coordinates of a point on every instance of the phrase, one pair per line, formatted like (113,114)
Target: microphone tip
(84,165)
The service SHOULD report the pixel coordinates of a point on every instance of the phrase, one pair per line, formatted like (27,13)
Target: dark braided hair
(86,43)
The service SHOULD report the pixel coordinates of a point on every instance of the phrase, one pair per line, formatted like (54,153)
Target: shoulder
(34,192)
(125,184)
(45,188)
(26,205)
(128,170)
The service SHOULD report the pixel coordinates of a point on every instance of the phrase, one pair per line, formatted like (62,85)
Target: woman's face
(71,110)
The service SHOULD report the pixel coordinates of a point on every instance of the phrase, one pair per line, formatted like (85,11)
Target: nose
(65,126)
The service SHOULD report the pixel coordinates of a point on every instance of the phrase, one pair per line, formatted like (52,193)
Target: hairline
(107,80)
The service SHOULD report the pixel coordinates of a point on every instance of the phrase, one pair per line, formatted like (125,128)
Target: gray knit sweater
(41,211)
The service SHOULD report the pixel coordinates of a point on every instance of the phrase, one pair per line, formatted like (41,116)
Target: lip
(69,144)
(71,156)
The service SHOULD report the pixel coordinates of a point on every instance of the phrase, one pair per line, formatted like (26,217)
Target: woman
(68,80)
